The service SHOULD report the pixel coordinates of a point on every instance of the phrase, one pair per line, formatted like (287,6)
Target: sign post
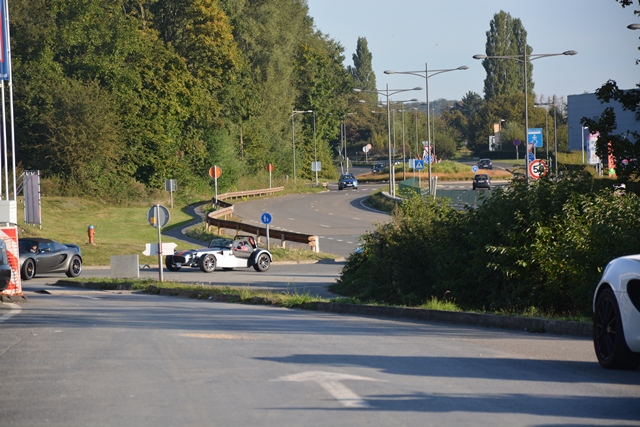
(266,219)
(171,185)
(215,172)
(158,216)
(270,169)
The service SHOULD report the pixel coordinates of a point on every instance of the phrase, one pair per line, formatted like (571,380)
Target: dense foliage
(112,98)
(542,245)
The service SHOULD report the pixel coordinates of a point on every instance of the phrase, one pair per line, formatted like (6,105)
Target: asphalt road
(73,357)
(339,218)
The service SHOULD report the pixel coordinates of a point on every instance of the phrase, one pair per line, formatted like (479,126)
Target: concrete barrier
(125,266)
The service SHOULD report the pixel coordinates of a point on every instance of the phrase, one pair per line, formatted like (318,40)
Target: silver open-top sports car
(226,254)
(43,256)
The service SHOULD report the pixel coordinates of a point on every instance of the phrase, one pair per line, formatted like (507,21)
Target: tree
(362,70)
(623,144)
(506,37)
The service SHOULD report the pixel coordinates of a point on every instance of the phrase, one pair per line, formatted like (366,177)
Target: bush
(541,245)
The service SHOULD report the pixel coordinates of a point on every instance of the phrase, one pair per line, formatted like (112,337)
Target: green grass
(119,230)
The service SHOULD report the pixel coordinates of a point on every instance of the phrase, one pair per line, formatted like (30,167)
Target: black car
(481,180)
(378,168)
(485,164)
(43,256)
(5,268)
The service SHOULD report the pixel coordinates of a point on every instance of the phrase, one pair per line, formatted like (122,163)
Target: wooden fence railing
(226,209)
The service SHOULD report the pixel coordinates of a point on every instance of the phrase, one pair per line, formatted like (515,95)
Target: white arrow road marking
(15,309)
(331,382)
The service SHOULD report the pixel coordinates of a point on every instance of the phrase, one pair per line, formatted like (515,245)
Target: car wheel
(171,266)
(474,187)
(28,271)
(75,267)
(262,263)
(608,335)
(208,263)
(339,188)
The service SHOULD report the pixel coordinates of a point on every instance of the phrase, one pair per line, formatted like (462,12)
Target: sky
(403,35)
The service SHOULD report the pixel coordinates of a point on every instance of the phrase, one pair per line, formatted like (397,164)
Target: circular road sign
(158,217)
(537,169)
(270,167)
(266,218)
(516,142)
(215,172)
(474,168)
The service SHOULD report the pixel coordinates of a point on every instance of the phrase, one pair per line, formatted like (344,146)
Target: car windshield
(348,176)
(481,177)
(221,243)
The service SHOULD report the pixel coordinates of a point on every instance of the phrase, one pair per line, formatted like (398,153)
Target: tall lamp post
(315,151)
(426,74)
(293,139)
(387,93)
(555,136)
(523,59)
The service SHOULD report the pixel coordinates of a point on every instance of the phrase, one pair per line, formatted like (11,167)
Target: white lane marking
(357,219)
(325,226)
(291,219)
(331,382)
(15,310)
(85,296)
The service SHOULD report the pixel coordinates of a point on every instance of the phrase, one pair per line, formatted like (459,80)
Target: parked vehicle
(226,254)
(5,268)
(481,180)
(616,314)
(347,180)
(44,256)
(485,164)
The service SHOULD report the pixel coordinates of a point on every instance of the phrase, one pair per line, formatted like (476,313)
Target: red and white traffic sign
(537,169)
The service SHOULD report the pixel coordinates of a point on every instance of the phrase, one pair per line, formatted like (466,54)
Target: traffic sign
(534,137)
(531,157)
(215,172)
(266,218)
(516,142)
(537,169)
(474,168)
(417,164)
(158,215)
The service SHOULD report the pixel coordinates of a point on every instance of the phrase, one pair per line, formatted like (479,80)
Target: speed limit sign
(538,168)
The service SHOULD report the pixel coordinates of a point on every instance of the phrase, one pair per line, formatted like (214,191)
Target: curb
(524,324)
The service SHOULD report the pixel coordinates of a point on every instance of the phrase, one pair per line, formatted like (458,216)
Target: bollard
(91,232)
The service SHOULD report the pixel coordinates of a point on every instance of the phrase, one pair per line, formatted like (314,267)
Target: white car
(616,314)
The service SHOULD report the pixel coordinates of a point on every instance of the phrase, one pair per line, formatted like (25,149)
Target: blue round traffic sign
(474,168)
(266,218)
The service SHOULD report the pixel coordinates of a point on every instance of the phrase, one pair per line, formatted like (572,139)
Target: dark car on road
(347,180)
(481,180)
(378,168)
(485,164)
(43,256)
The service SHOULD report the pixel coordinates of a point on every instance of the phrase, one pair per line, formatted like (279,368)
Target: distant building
(587,105)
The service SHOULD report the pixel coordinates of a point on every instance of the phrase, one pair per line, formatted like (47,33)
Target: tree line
(112,98)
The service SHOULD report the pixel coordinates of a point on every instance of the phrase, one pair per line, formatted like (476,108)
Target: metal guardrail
(226,209)
(283,236)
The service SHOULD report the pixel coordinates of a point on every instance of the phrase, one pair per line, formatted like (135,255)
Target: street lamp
(404,155)
(555,136)
(293,139)
(633,26)
(523,59)
(387,93)
(425,74)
